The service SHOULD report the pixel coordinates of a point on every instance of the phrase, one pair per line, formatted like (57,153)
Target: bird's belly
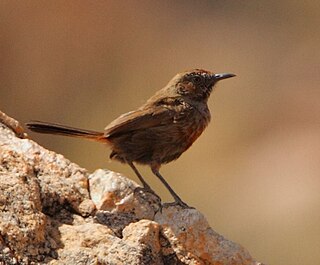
(161,144)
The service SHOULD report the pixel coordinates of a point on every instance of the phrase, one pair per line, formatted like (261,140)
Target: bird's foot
(144,192)
(146,189)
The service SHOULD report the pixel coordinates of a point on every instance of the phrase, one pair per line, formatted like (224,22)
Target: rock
(194,242)
(22,223)
(48,215)
(60,181)
(114,193)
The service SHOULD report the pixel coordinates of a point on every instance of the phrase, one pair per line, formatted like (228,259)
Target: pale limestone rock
(47,216)
(114,193)
(22,224)
(60,180)
(146,234)
(194,241)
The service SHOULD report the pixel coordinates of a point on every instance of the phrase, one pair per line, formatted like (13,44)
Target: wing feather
(139,119)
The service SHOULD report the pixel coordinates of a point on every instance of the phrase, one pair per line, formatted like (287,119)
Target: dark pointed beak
(218,77)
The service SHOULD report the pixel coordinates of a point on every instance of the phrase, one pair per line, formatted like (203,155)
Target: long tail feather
(58,129)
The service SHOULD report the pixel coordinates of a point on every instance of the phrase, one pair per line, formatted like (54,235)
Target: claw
(146,189)
(142,193)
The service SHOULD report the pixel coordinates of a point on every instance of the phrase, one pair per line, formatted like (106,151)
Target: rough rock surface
(48,215)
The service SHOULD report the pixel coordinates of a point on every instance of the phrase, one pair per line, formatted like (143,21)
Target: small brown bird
(160,130)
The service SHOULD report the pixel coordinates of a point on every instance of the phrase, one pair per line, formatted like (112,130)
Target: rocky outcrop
(54,212)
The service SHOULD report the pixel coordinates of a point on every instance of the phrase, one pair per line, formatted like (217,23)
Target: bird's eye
(197,79)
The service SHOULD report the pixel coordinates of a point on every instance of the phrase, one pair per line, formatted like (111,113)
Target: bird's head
(197,84)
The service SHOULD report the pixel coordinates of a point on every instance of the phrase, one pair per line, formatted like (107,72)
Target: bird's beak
(218,77)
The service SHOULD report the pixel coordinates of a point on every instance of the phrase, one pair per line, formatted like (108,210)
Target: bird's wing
(140,119)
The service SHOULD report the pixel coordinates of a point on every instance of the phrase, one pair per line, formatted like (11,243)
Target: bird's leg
(146,186)
(177,199)
(144,183)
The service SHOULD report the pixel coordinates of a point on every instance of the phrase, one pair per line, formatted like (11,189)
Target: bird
(159,131)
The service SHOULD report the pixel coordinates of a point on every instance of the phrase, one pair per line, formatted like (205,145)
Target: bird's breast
(192,123)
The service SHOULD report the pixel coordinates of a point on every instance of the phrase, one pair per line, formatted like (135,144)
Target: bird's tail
(57,129)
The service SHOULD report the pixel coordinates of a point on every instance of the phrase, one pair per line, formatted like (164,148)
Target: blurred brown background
(255,172)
